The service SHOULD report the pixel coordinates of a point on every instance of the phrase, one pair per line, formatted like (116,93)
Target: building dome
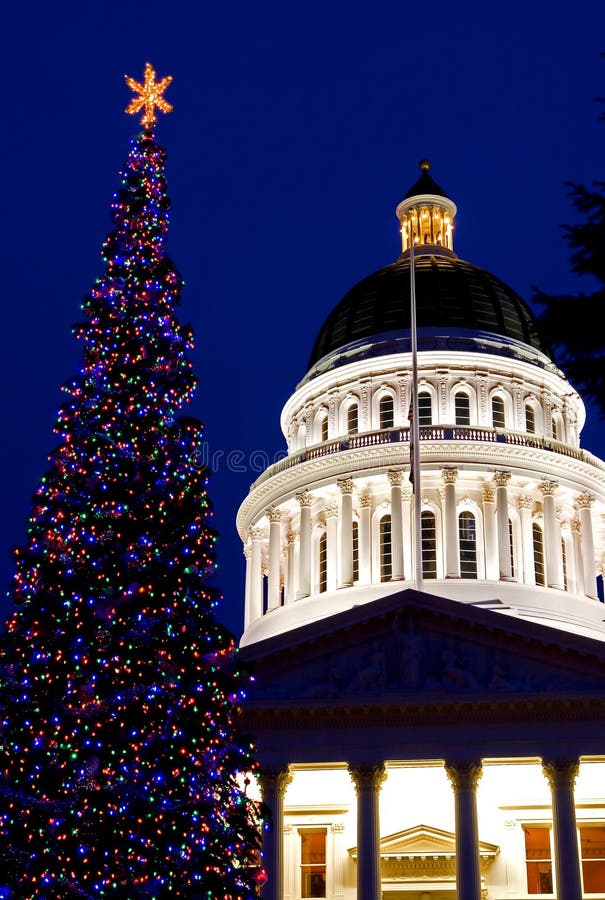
(453,298)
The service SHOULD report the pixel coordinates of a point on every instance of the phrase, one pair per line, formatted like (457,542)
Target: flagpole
(414,426)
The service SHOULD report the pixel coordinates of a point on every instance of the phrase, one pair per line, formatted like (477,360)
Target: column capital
(345,485)
(290,537)
(331,510)
(274,514)
(525,501)
(274,781)
(247,551)
(487,494)
(584,500)
(395,478)
(501,478)
(449,475)
(560,772)
(365,501)
(548,488)
(305,498)
(256,533)
(367,776)
(576,526)
(463,775)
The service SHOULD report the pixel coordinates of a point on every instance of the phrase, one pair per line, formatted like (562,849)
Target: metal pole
(415,430)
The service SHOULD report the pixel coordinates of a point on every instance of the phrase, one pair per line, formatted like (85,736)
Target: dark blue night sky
(297,129)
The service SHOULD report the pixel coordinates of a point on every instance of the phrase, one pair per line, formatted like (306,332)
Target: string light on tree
(120,759)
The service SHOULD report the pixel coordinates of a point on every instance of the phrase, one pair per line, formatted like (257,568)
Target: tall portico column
(368,780)
(395,479)
(464,778)
(256,573)
(331,513)
(273,784)
(526,505)
(492,568)
(552,535)
(452,556)
(346,531)
(274,573)
(290,571)
(583,504)
(304,560)
(365,515)
(247,555)
(561,775)
(504,560)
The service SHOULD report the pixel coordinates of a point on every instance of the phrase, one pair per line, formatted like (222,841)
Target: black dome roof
(451,294)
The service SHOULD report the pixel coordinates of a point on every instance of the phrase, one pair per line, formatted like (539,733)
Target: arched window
(564,561)
(511,547)
(555,430)
(498,419)
(385,411)
(323,562)
(425,408)
(530,419)
(324,428)
(462,406)
(428,531)
(355,550)
(353,419)
(467,532)
(386,567)
(538,543)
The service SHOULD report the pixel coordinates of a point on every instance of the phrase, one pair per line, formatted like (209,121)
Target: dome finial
(424,165)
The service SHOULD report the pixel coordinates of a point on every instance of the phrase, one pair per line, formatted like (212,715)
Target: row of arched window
(501,416)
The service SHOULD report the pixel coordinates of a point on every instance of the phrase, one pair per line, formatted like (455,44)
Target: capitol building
(423,616)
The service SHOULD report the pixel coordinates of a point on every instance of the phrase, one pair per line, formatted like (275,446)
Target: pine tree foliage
(122,772)
(571,323)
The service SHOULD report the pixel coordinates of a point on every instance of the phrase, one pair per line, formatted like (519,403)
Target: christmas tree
(122,770)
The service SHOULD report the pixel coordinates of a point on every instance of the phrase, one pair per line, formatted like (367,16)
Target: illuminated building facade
(437,737)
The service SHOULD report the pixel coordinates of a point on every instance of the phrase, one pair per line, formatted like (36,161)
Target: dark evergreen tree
(571,323)
(122,771)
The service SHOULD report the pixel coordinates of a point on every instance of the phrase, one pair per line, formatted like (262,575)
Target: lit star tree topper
(150,95)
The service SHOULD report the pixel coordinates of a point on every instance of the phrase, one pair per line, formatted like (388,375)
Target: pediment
(415,646)
(422,841)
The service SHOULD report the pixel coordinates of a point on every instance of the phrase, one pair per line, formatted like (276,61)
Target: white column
(576,532)
(583,504)
(256,573)
(492,569)
(274,569)
(290,592)
(365,547)
(452,555)
(552,535)
(273,784)
(526,505)
(408,559)
(561,775)
(504,561)
(331,513)
(346,532)
(304,560)
(368,780)
(247,610)
(395,479)
(464,778)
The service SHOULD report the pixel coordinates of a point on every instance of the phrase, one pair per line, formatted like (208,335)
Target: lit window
(555,430)
(538,860)
(564,561)
(324,429)
(313,863)
(425,411)
(538,543)
(498,420)
(429,544)
(352,419)
(323,562)
(355,550)
(467,531)
(386,568)
(592,848)
(511,548)
(387,419)
(462,406)
(530,419)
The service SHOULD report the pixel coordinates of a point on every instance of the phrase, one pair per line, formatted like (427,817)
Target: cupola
(427,213)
